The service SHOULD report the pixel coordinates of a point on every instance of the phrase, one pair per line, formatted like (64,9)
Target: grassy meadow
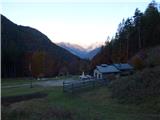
(95,104)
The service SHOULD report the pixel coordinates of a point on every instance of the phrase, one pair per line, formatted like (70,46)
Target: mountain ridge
(20,43)
(84,53)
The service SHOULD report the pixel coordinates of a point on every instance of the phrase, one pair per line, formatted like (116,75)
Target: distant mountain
(74,49)
(19,44)
(84,53)
(93,52)
(94,46)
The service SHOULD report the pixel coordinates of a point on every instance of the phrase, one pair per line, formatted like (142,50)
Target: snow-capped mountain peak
(84,53)
(94,46)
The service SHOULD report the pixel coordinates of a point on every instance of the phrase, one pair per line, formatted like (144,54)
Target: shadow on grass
(12,99)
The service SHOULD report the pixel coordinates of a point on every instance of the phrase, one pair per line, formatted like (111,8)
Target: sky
(82,22)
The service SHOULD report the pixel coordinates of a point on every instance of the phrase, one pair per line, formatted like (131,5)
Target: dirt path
(46,83)
(50,83)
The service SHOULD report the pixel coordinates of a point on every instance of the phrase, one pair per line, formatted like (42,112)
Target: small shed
(105,71)
(125,68)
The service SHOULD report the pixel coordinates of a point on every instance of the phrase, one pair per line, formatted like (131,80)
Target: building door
(99,76)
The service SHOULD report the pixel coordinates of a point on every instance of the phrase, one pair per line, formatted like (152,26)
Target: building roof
(107,69)
(104,65)
(123,66)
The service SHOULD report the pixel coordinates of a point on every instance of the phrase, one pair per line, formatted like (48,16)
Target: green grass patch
(16,81)
(95,104)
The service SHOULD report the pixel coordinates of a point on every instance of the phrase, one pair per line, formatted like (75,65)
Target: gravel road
(43,83)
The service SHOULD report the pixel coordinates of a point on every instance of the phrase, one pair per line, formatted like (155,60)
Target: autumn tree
(38,63)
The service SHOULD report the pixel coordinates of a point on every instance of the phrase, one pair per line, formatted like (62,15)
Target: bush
(138,87)
(28,110)
(153,57)
(137,62)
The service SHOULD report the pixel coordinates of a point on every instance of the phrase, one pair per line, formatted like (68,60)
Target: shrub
(137,87)
(137,62)
(28,110)
(153,57)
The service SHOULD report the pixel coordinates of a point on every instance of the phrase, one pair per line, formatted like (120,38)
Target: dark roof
(123,66)
(107,69)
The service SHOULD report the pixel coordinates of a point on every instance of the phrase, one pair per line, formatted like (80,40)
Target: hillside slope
(19,43)
(144,84)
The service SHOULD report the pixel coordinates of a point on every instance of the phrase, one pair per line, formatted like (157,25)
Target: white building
(105,71)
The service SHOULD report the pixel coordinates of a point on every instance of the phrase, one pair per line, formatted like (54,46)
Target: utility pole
(30,69)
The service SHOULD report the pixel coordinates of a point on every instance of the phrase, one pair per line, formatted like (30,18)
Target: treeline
(134,34)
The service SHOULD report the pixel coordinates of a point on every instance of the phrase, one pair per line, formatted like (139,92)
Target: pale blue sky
(81,22)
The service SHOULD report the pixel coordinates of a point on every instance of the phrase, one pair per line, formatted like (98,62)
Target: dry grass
(138,87)
(153,57)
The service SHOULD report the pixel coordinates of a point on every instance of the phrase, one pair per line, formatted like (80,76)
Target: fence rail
(78,85)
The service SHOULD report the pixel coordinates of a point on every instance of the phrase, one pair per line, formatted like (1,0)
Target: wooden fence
(79,85)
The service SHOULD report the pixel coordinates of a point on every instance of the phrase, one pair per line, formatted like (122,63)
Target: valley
(84,53)
(47,79)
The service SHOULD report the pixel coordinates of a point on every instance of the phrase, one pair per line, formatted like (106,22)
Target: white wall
(97,74)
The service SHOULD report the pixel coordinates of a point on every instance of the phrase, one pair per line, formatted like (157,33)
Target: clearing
(94,104)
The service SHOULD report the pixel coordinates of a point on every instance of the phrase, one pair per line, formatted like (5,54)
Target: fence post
(72,89)
(63,87)
(83,83)
(31,85)
(93,83)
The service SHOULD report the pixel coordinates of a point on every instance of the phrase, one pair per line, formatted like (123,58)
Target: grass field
(17,81)
(95,104)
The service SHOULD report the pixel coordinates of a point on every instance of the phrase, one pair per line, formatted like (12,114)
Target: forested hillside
(143,85)
(27,52)
(133,35)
